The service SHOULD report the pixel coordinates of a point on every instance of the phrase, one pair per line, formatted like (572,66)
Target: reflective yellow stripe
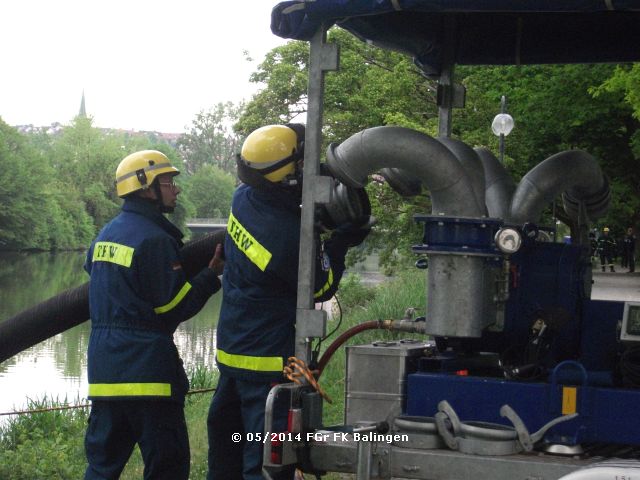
(248,245)
(129,389)
(176,300)
(246,362)
(326,286)
(112,252)
(569,400)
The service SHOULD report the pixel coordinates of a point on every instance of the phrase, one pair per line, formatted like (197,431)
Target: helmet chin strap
(159,201)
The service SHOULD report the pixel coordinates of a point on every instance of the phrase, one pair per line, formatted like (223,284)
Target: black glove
(350,235)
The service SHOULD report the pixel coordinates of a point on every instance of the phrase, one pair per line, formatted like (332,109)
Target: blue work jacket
(255,333)
(138,295)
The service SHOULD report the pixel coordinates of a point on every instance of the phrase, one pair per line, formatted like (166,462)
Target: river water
(57,367)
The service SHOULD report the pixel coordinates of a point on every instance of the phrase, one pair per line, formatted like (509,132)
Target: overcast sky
(143,64)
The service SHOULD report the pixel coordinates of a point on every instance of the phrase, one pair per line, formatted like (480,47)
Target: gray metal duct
(403,182)
(415,154)
(406,184)
(499,185)
(421,155)
(574,173)
(471,164)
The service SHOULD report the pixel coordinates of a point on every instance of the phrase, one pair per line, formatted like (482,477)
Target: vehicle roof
(487,32)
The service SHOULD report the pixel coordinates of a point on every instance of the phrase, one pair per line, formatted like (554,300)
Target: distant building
(56,128)
(83,111)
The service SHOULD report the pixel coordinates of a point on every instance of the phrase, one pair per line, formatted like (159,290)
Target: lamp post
(502,125)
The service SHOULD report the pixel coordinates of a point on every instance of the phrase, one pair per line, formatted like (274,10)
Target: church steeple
(83,112)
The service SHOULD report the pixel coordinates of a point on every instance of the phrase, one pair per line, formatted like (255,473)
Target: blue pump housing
(577,371)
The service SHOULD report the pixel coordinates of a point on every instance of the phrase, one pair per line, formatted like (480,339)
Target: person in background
(138,295)
(593,244)
(606,250)
(629,250)
(256,329)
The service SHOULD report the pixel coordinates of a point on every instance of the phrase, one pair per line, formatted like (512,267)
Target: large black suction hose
(71,307)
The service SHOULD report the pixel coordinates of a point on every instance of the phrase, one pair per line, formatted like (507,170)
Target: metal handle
(527,441)
(448,410)
(443,423)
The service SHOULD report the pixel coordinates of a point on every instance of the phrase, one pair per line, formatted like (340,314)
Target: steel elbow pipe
(573,173)
(499,185)
(471,164)
(433,164)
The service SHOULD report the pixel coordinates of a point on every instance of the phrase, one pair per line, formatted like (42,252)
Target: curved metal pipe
(499,185)
(452,194)
(429,160)
(471,164)
(402,181)
(575,172)
(407,185)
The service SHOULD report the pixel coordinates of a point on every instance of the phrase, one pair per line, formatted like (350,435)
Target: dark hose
(71,307)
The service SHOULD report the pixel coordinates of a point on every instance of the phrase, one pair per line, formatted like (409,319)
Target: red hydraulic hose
(370,325)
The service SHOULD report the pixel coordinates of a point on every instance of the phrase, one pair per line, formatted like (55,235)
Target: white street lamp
(502,125)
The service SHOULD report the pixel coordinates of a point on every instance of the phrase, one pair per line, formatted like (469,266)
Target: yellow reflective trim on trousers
(247,362)
(326,286)
(176,300)
(112,252)
(248,245)
(129,389)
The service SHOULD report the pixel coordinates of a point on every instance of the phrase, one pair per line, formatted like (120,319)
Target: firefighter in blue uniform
(255,333)
(606,250)
(138,295)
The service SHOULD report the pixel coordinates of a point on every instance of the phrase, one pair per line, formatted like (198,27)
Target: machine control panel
(630,331)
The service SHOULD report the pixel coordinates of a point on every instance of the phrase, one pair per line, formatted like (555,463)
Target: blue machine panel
(604,414)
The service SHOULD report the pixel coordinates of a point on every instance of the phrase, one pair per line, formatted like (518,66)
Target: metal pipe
(574,172)
(499,185)
(471,164)
(417,153)
(442,173)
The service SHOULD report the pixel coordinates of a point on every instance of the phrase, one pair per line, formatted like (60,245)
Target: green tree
(210,190)
(211,140)
(37,212)
(556,108)
(86,159)
(372,87)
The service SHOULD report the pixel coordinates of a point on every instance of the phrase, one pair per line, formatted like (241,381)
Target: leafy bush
(353,294)
(46,445)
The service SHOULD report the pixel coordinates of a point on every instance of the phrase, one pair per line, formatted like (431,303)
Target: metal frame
(316,190)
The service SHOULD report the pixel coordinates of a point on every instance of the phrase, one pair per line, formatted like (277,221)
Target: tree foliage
(559,108)
(210,190)
(211,140)
(35,213)
(59,190)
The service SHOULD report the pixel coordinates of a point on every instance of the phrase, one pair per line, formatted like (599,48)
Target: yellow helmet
(273,151)
(605,229)
(138,170)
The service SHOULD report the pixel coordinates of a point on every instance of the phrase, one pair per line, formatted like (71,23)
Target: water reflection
(57,367)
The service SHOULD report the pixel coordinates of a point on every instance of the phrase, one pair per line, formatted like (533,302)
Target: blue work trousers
(158,427)
(237,409)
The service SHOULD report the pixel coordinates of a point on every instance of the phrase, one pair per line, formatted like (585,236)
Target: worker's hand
(217,263)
